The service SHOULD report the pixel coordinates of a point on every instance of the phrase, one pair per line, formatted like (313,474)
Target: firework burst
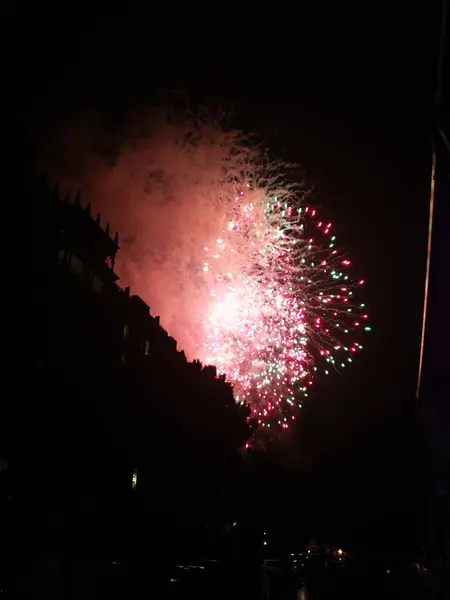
(246,276)
(282,303)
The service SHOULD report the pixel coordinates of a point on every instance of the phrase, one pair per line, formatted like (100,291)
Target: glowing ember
(277,303)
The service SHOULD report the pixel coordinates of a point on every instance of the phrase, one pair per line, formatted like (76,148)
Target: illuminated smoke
(240,269)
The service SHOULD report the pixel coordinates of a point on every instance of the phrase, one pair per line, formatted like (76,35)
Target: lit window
(146,347)
(76,265)
(126,331)
(96,283)
(134,480)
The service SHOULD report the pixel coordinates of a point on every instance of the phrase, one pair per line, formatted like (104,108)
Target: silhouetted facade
(115,440)
(85,321)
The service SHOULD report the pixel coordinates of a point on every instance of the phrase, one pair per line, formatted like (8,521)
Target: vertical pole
(427,270)
(437,102)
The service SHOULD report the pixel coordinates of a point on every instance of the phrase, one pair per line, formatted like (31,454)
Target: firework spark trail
(242,272)
(280,301)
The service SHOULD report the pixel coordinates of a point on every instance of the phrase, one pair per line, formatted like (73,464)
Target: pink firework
(245,276)
(282,304)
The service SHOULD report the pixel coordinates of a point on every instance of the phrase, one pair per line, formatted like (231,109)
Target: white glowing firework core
(254,328)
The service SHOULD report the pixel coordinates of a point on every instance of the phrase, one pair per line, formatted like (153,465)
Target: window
(62,255)
(126,332)
(122,358)
(134,480)
(76,265)
(96,283)
(146,347)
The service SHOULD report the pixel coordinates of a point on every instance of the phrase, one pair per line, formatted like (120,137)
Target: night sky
(343,89)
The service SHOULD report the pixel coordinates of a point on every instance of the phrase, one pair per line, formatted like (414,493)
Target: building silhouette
(87,322)
(113,437)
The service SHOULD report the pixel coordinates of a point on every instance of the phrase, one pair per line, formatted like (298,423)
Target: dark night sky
(345,89)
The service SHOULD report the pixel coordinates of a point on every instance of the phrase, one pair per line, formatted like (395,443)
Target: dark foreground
(299,577)
(313,577)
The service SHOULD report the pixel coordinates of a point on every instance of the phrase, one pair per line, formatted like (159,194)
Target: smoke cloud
(162,179)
